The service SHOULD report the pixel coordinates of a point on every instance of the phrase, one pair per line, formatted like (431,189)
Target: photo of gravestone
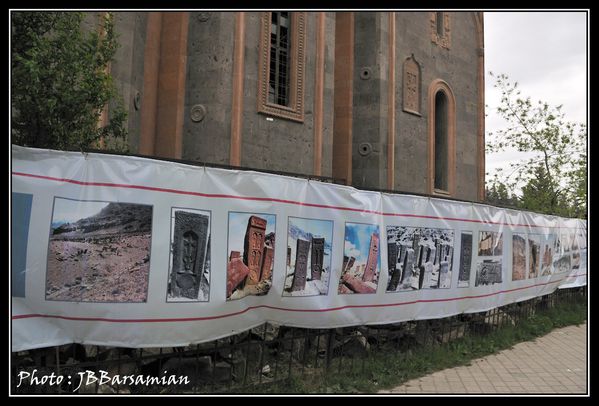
(575,254)
(561,259)
(189,266)
(361,259)
(546,243)
(489,260)
(251,248)
(465,260)
(99,251)
(534,255)
(419,258)
(518,257)
(308,257)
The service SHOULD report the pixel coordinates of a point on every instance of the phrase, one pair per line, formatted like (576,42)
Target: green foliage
(553,179)
(61,84)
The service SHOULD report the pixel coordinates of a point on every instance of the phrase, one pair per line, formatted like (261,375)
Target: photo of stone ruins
(490,250)
(101,258)
(250,272)
(419,258)
(359,274)
(518,257)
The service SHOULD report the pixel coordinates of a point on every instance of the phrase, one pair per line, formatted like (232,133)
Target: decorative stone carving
(372,261)
(253,245)
(441,30)
(392,252)
(301,265)
(198,112)
(411,86)
(317,257)
(189,254)
(465,259)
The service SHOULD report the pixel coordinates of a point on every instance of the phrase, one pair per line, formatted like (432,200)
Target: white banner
(134,252)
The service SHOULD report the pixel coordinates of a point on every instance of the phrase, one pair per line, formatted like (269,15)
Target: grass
(391,369)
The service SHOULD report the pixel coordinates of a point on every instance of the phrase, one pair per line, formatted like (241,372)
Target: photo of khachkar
(99,251)
(189,267)
(561,258)
(419,258)
(547,243)
(361,259)
(488,266)
(534,257)
(518,257)
(251,253)
(465,259)
(308,257)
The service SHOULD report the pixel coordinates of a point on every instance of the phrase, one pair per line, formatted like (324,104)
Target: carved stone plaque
(189,254)
(465,258)
(372,262)
(317,257)
(301,265)
(253,246)
(411,86)
(267,263)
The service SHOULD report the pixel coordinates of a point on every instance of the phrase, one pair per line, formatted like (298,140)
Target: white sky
(546,53)
(70,211)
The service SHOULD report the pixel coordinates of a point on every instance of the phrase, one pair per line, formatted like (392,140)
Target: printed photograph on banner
(251,254)
(419,258)
(547,243)
(99,251)
(465,259)
(308,257)
(581,243)
(534,255)
(361,259)
(519,257)
(575,253)
(489,269)
(561,259)
(19,239)
(189,264)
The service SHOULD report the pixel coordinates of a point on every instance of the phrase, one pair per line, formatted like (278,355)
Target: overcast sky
(546,53)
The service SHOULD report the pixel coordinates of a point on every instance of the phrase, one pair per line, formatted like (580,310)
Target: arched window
(441,138)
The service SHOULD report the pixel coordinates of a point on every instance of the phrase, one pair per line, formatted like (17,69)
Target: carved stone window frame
(439,85)
(295,110)
(444,40)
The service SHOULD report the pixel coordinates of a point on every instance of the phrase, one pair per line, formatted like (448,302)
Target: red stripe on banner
(264,199)
(185,319)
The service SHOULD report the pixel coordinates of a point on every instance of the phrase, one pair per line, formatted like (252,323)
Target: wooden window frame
(436,86)
(295,110)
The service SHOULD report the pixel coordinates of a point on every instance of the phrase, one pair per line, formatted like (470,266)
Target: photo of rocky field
(99,251)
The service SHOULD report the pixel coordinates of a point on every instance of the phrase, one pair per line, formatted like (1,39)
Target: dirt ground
(99,269)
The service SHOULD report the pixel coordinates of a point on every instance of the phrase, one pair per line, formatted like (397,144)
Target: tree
(553,178)
(61,84)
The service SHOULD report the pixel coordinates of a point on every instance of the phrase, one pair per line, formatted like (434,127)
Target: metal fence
(255,357)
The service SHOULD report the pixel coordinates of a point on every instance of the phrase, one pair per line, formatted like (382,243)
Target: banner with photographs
(134,252)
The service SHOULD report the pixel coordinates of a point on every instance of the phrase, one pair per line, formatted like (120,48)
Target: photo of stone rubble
(465,259)
(189,266)
(534,255)
(489,262)
(308,257)
(99,251)
(419,258)
(518,257)
(251,249)
(547,243)
(361,259)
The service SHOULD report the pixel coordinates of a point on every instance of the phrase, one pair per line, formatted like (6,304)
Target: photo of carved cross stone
(189,254)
